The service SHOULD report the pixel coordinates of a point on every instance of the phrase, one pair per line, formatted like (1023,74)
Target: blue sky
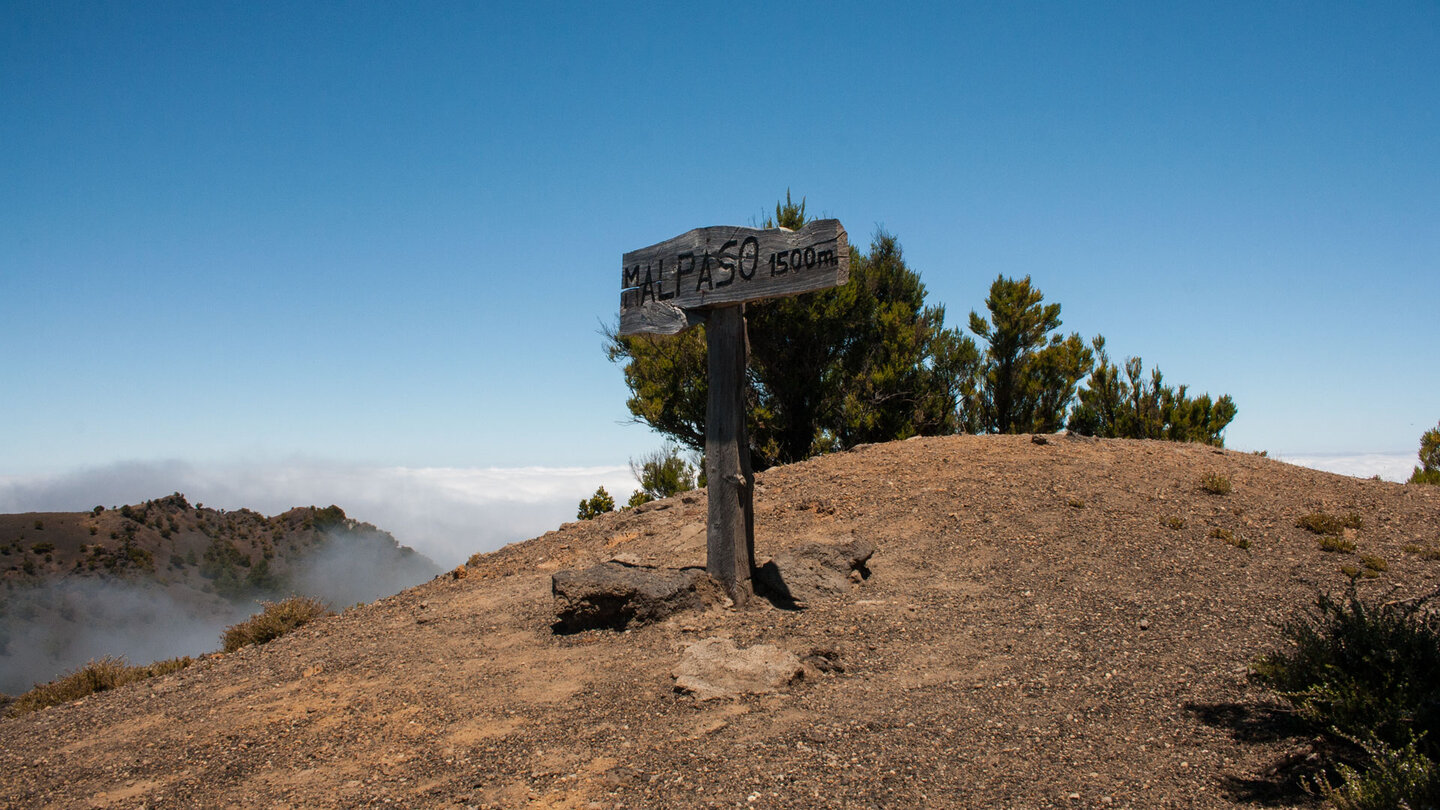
(386,235)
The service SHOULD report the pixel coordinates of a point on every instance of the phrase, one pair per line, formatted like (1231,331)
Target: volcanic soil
(1047,624)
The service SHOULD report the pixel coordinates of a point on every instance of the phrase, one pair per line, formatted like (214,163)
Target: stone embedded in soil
(613,595)
(716,668)
(814,571)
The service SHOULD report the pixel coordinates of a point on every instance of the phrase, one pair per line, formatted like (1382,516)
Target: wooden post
(706,275)
(730,538)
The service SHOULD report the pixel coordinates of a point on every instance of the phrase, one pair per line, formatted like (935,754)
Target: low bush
(1336,545)
(277,619)
(1322,523)
(1362,675)
(100,675)
(1215,484)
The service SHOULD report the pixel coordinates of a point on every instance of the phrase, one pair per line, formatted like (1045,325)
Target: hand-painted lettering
(726,262)
(753,245)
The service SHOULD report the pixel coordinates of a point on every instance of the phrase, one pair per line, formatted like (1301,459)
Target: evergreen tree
(1116,404)
(1028,375)
(864,362)
(1429,470)
(597,505)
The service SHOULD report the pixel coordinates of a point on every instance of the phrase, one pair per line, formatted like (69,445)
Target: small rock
(716,668)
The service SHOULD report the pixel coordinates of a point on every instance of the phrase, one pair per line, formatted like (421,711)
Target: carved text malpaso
(709,267)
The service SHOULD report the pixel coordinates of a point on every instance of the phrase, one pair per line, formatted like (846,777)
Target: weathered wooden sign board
(710,267)
(705,276)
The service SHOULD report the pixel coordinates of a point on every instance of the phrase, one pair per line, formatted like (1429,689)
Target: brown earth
(1036,633)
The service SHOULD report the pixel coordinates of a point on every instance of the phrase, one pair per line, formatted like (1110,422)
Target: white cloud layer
(1389,466)
(445,513)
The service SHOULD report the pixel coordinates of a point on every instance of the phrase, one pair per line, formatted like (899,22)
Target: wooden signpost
(706,276)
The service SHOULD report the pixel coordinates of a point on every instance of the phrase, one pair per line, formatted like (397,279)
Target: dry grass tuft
(100,675)
(277,619)
(1323,523)
(1215,484)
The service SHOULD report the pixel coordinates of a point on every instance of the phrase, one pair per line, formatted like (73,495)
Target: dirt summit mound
(1066,623)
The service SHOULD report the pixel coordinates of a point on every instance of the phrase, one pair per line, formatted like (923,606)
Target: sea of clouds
(446,513)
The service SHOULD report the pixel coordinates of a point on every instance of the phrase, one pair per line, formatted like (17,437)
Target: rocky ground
(1046,625)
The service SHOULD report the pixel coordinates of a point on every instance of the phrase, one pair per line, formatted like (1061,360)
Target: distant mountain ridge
(61,574)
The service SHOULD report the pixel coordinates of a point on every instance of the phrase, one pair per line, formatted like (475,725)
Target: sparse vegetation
(1323,523)
(1229,537)
(1336,544)
(1426,552)
(1429,470)
(1215,484)
(1373,563)
(1076,503)
(662,473)
(277,619)
(1362,676)
(99,675)
(1120,403)
(597,505)
(1173,522)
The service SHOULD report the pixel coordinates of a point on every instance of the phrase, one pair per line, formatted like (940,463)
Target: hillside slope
(162,578)
(1046,625)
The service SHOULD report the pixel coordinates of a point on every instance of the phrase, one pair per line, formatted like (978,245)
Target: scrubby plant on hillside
(1215,483)
(661,473)
(277,619)
(1363,674)
(597,505)
(99,675)
(1119,403)
(1328,524)
(1429,470)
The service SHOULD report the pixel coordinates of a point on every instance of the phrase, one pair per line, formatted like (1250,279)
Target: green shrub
(1363,676)
(277,619)
(1176,523)
(1395,778)
(1429,470)
(1215,484)
(599,504)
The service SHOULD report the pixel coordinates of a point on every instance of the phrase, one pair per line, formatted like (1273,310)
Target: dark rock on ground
(612,595)
(814,571)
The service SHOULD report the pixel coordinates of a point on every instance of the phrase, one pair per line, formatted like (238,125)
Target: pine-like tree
(864,362)
(1028,375)
(1429,470)
(1128,406)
